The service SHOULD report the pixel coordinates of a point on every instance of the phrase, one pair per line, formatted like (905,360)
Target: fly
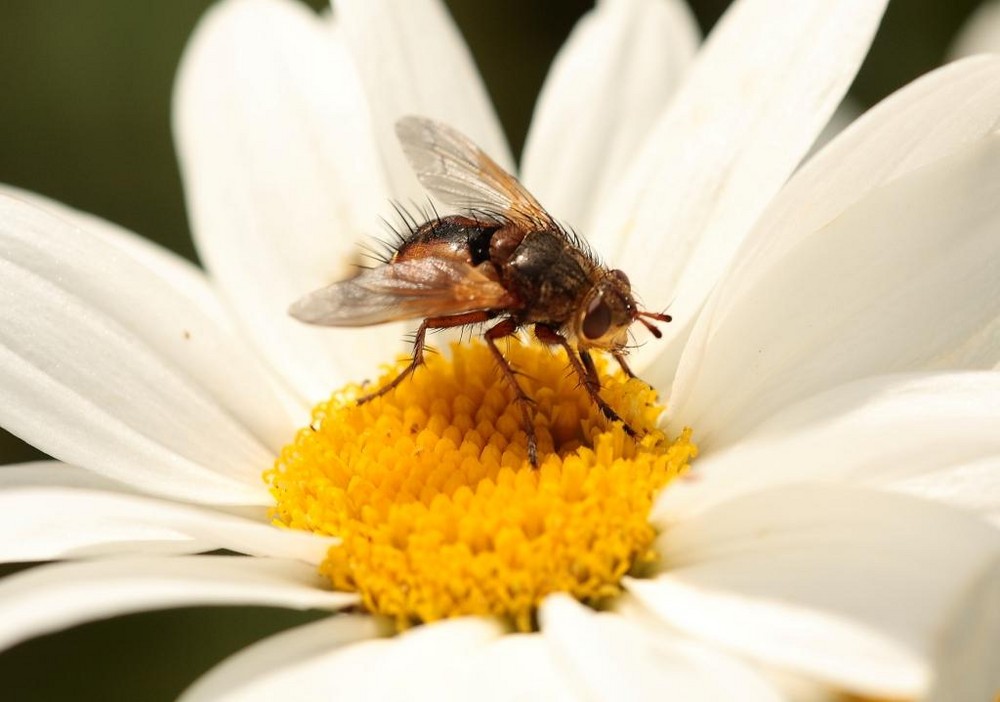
(502,258)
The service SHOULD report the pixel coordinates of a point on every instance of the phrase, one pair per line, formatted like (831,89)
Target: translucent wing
(426,287)
(460,174)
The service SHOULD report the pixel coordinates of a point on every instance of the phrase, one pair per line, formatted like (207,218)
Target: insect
(504,257)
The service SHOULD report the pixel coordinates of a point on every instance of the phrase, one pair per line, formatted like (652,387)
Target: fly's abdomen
(453,238)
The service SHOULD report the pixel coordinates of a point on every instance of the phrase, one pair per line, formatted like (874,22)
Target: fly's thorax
(550,276)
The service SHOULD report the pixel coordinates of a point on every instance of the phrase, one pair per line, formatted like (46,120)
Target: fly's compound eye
(597,320)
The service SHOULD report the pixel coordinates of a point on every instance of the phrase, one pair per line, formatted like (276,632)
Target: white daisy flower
(836,334)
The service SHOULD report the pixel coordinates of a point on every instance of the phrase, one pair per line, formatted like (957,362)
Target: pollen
(438,510)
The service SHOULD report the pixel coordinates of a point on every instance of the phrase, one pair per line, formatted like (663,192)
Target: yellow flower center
(440,513)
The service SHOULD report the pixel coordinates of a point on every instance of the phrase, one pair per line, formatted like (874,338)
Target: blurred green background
(85,119)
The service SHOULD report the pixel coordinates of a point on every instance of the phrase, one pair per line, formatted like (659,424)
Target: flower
(836,330)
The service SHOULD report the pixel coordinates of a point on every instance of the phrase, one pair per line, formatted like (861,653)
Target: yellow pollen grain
(439,512)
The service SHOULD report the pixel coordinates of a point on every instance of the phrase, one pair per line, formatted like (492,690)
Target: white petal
(57,523)
(420,664)
(847,112)
(981,32)
(261,670)
(786,684)
(965,664)
(927,120)
(852,587)
(46,521)
(608,84)
(972,486)
(55,473)
(766,82)
(184,317)
(640,632)
(922,434)
(412,60)
(59,596)
(515,667)
(281,177)
(923,122)
(613,658)
(95,368)
(456,660)
(904,280)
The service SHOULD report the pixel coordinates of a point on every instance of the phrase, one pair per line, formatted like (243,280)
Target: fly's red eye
(597,320)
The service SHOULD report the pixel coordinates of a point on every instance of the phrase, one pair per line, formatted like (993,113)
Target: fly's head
(607,312)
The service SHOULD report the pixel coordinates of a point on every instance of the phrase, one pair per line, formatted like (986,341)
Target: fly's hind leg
(457,320)
(508,327)
(583,364)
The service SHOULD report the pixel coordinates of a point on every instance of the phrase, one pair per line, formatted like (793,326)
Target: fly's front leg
(620,357)
(457,320)
(508,327)
(595,386)
(583,364)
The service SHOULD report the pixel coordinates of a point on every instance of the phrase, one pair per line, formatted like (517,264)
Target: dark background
(84,118)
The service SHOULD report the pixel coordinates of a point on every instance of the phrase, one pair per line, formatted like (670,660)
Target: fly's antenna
(658,316)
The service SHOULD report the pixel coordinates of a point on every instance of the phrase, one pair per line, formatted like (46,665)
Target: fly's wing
(425,287)
(460,174)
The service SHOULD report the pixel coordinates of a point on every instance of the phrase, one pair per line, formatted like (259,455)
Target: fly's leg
(620,357)
(457,320)
(595,387)
(583,364)
(508,327)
